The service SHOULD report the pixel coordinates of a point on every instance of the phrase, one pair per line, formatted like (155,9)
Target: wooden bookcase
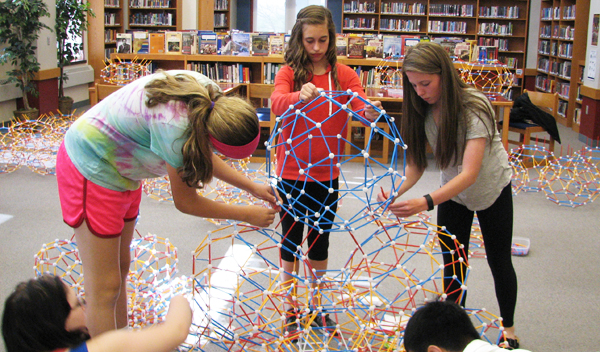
(561,49)
(222,15)
(503,24)
(215,15)
(117,16)
(578,96)
(102,32)
(161,15)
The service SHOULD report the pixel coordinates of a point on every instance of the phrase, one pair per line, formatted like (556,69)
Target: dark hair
(295,55)
(444,324)
(457,98)
(35,315)
(232,120)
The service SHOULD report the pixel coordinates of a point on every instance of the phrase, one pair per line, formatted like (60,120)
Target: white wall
(46,44)
(46,54)
(595,82)
(189,18)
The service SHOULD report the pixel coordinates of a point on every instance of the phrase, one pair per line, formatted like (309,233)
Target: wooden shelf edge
(590,92)
(42,75)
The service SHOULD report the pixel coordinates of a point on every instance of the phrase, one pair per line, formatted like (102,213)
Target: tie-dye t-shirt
(120,141)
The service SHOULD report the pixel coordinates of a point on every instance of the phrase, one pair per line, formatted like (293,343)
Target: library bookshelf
(118,16)
(489,22)
(561,51)
(102,31)
(222,15)
(154,15)
(215,15)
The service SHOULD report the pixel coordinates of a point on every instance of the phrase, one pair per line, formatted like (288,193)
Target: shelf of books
(561,46)
(222,20)
(155,15)
(489,23)
(102,32)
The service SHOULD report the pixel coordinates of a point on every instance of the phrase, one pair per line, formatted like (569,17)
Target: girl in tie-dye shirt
(168,123)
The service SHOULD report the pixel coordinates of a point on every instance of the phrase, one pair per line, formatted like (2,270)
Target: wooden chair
(385,145)
(100,91)
(547,102)
(257,94)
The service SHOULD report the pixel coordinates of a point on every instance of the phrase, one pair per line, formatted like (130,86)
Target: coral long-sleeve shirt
(312,156)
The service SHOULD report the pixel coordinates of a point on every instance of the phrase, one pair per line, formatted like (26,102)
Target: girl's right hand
(260,216)
(308,92)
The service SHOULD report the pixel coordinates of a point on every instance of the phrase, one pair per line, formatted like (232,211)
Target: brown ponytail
(231,120)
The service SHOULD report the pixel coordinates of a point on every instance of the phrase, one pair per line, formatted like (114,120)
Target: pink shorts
(105,211)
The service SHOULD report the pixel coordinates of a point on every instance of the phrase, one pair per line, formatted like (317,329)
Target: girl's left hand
(266,193)
(370,113)
(406,208)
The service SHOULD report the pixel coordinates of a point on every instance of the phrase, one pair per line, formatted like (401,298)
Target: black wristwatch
(429,202)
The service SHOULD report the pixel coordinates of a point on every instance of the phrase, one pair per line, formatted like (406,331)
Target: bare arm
(472,159)
(412,175)
(164,337)
(188,201)
(226,173)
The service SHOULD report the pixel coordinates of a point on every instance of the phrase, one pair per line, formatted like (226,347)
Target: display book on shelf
(373,47)
(206,42)
(561,47)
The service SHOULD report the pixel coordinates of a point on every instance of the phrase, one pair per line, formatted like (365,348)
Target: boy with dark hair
(444,326)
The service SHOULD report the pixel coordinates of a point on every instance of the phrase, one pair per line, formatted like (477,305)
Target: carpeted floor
(557,307)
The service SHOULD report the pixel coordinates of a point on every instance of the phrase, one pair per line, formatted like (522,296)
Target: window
(279,16)
(72,14)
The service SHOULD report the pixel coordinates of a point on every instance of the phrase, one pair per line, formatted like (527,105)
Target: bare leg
(510,332)
(124,264)
(103,282)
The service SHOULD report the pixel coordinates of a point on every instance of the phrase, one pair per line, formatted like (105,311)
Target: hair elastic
(212,105)
(235,151)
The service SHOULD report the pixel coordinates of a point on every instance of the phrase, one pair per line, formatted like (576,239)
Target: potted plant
(71,21)
(20,28)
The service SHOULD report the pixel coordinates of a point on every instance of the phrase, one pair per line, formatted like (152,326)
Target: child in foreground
(45,315)
(444,326)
